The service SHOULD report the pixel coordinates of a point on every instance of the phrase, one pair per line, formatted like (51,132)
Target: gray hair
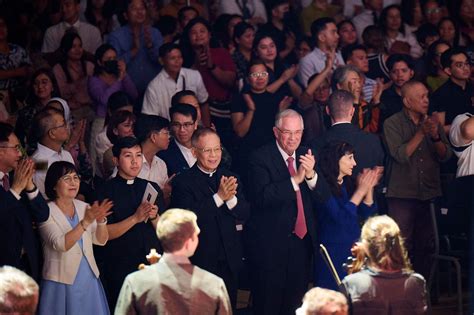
(340,103)
(340,75)
(18,292)
(287,113)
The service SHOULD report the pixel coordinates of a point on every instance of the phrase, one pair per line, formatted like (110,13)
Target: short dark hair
(176,99)
(201,132)
(424,31)
(254,62)
(319,25)
(348,50)
(146,124)
(117,100)
(100,51)
(446,57)
(116,119)
(272,4)
(42,122)
(55,172)
(167,25)
(184,9)
(124,143)
(167,48)
(5,131)
(393,59)
(240,29)
(183,109)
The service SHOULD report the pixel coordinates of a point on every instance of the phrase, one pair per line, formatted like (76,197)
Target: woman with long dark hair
(244,34)
(72,73)
(397,38)
(436,75)
(449,31)
(342,203)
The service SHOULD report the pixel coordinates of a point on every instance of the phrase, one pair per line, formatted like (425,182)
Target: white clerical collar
(130,181)
(207,172)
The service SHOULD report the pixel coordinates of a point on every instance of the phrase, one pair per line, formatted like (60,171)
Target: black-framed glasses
(185,125)
(255,75)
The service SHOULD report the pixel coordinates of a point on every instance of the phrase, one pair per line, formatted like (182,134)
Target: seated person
(382,280)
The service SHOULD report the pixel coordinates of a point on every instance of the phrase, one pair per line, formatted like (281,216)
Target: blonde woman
(385,283)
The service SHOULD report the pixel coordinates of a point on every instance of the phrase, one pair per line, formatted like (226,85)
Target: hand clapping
(227,188)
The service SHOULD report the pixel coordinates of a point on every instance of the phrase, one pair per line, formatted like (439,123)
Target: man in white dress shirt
(90,35)
(324,34)
(171,79)
(53,131)
(369,16)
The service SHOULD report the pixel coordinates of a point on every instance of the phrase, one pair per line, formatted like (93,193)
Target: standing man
(416,143)
(172,79)
(174,285)
(324,34)
(137,43)
(216,196)
(132,224)
(90,35)
(20,245)
(281,230)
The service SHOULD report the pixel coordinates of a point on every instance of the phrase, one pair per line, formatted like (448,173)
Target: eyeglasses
(18,147)
(69,179)
(185,125)
(208,151)
(255,75)
(65,125)
(433,11)
(288,133)
(461,65)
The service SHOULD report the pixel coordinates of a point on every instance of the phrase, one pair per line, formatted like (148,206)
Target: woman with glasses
(342,203)
(253,113)
(382,280)
(71,282)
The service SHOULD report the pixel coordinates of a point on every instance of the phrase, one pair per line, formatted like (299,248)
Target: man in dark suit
(281,232)
(178,157)
(20,245)
(215,195)
(368,151)
(174,285)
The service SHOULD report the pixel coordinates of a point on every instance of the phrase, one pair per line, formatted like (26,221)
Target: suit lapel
(279,164)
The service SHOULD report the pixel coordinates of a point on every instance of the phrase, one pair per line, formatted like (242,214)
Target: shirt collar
(206,172)
(284,154)
(75,25)
(166,74)
(182,147)
(127,181)
(2,174)
(177,259)
(341,122)
(47,152)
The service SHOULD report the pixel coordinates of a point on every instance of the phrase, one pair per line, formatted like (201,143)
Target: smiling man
(215,195)
(172,79)
(132,223)
(281,231)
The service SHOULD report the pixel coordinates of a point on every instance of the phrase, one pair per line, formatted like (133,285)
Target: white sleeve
(201,91)
(149,100)
(455,136)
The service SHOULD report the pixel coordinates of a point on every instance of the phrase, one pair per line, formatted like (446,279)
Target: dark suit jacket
(368,147)
(218,225)
(16,230)
(274,207)
(174,159)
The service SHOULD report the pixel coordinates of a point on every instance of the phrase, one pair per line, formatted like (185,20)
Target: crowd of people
(279,125)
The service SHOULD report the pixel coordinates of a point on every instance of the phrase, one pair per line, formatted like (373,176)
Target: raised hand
(147,36)
(308,161)
(290,73)
(249,101)
(122,66)
(378,89)
(330,57)
(23,175)
(227,188)
(285,103)
(104,210)
(153,214)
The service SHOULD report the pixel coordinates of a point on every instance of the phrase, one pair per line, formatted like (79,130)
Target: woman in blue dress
(71,282)
(342,204)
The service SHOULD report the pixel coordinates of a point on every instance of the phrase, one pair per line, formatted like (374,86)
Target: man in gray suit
(174,285)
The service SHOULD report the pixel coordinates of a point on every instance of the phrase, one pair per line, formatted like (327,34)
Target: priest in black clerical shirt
(132,224)
(215,195)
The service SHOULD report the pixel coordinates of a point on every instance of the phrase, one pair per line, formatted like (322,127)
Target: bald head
(415,97)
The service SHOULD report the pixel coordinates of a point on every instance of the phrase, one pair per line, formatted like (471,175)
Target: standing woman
(244,34)
(71,282)
(341,205)
(72,74)
(43,88)
(218,73)
(281,79)
(110,76)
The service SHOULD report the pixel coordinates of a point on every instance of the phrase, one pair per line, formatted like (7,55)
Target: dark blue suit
(174,159)
(17,233)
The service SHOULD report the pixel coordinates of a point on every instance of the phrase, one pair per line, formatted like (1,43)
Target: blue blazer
(174,159)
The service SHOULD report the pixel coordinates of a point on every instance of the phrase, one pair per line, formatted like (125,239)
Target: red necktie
(5,182)
(300,225)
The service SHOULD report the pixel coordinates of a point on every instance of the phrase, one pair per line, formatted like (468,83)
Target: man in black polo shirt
(455,96)
(401,71)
